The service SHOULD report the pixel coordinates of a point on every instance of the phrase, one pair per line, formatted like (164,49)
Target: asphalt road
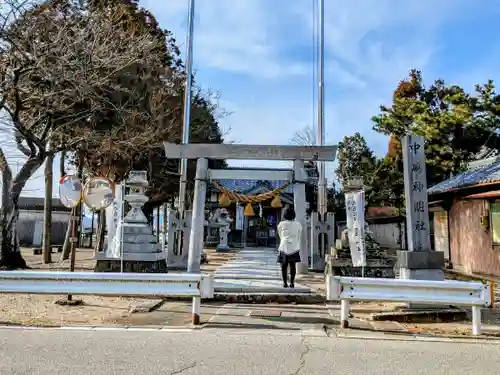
(71,352)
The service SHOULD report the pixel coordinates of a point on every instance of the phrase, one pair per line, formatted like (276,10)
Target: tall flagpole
(186,122)
(321,107)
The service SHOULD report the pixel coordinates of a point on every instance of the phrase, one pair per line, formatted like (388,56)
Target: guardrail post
(196,310)
(207,286)
(492,293)
(344,313)
(476,320)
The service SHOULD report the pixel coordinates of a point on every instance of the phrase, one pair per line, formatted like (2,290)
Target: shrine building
(255,222)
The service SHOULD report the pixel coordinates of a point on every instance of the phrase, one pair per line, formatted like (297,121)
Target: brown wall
(471,245)
(441,233)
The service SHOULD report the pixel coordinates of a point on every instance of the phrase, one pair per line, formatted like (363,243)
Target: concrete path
(224,352)
(254,270)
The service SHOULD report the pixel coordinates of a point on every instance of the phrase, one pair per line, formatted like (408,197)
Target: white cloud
(233,36)
(261,47)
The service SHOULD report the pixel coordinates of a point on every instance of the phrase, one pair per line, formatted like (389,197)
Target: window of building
(495,223)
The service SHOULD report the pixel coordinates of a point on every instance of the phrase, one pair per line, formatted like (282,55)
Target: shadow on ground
(249,326)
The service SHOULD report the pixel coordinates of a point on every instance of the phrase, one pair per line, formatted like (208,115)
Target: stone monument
(419,261)
(134,238)
(317,227)
(178,229)
(225,228)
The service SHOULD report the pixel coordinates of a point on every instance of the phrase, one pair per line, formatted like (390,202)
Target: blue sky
(259,55)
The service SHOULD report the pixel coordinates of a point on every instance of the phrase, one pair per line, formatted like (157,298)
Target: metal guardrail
(194,285)
(449,292)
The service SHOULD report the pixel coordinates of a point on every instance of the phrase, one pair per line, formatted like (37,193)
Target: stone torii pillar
(299,201)
(198,218)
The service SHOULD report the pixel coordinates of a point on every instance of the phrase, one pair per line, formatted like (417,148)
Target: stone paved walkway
(254,270)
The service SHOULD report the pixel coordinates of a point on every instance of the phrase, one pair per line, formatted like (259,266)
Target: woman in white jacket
(289,231)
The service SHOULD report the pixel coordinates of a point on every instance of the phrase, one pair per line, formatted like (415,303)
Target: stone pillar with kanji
(418,261)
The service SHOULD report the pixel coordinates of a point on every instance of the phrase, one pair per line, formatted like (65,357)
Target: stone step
(234,276)
(141,248)
(136,229)
(139,257)
(139,238)
(268,297)
(262,289)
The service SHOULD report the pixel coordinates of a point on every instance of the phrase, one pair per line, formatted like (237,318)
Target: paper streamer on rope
(239,217)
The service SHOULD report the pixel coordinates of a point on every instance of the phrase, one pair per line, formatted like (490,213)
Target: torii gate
(203,152)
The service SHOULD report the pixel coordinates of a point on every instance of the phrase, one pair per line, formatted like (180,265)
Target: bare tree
(305,137)
(60,67)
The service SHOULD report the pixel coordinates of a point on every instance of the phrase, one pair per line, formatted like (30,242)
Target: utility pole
(322,199)
(187,106)
(321,108)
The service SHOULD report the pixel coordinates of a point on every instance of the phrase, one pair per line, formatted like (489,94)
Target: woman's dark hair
(289,214)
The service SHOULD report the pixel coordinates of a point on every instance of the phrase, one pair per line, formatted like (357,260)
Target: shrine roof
(244,186)
(37,204)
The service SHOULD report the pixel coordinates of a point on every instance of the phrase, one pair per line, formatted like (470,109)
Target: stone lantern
(135,238)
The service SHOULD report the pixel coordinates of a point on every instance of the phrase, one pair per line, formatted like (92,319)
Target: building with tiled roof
(466,217)
(479,172)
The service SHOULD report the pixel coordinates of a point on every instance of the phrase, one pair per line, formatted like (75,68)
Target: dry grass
(32,309)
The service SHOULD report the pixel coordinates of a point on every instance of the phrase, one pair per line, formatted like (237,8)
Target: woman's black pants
(284,271)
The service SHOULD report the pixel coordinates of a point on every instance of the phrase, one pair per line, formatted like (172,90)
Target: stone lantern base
(159,266)
(222,248)
(141,252)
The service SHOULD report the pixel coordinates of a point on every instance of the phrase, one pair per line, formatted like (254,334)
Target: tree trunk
(92,230)
(80,208)
(66,250)
(62,165)
(148,211)
(66,245)
(11,257)
(47,210)
(101,225)
(10,252)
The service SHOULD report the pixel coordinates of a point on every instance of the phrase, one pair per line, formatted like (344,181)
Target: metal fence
(449,292)
(194,285)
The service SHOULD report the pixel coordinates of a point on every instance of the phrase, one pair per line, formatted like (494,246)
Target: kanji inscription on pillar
(417,211)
